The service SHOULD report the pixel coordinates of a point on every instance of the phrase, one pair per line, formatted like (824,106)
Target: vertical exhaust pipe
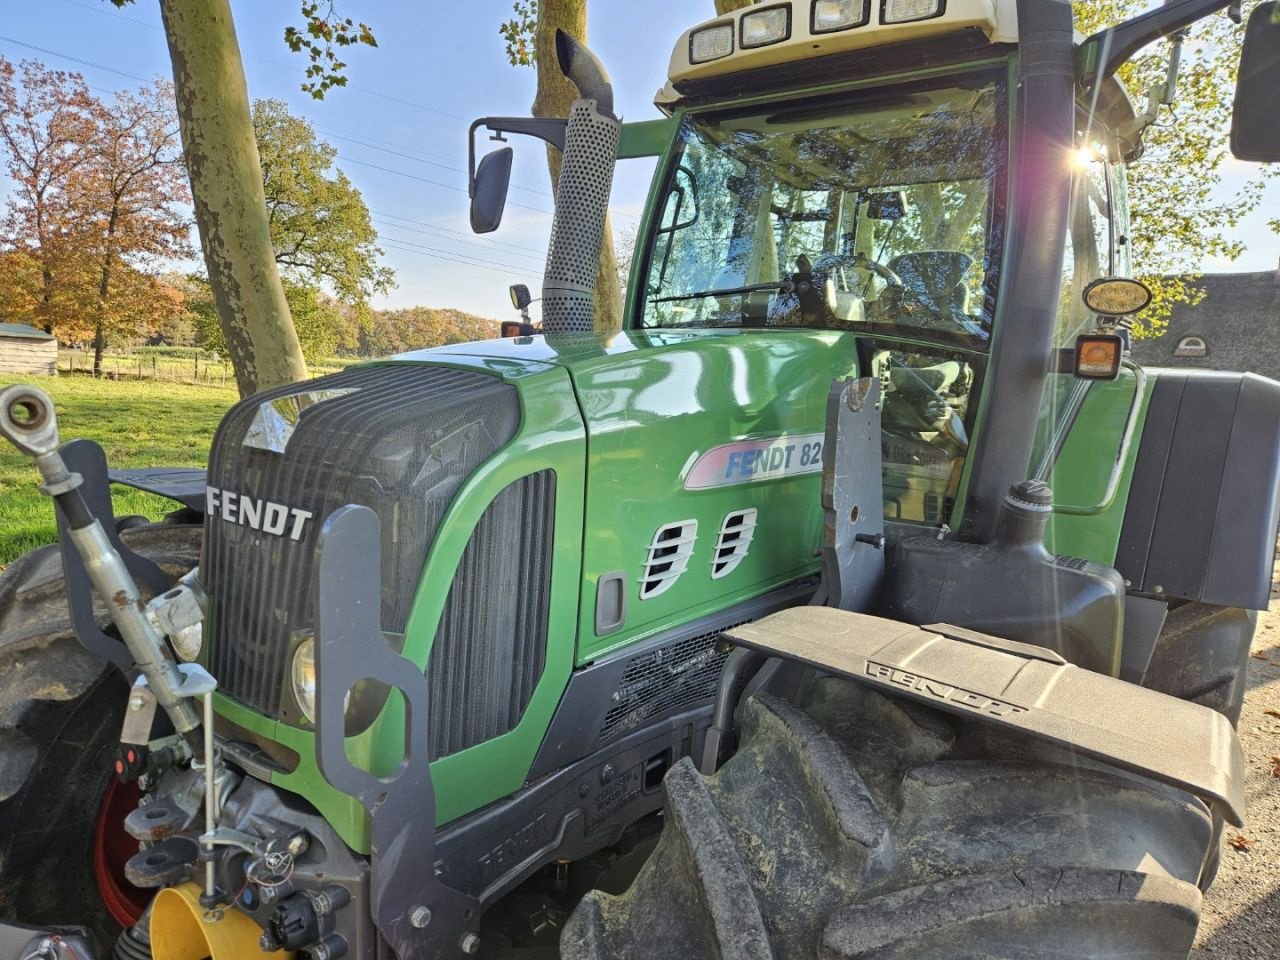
(582,193)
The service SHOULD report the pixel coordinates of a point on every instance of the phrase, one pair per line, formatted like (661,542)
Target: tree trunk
(226,187)
(46,296)
(104,292)
(555,95)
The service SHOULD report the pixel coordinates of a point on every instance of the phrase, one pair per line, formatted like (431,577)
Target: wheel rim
(112,848)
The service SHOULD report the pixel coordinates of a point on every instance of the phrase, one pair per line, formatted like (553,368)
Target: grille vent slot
(669,554)
(491,645)
(734,540)
(666,680)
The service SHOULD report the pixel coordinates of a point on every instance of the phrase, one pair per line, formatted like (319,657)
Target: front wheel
(854,825)
(62,840)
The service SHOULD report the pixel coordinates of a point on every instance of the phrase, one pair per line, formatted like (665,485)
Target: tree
(46,125)
(226,187)
(1177,215)
(128,194)
(97,187)
(728,6)
(554,97)
(320,226)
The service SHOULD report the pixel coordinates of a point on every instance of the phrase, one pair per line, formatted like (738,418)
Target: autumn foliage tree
(131,194)
(47,121)
(96,202)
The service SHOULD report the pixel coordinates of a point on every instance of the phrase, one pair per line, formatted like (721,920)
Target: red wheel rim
(112,848)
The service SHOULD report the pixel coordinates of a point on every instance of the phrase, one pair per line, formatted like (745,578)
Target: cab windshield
(879,212)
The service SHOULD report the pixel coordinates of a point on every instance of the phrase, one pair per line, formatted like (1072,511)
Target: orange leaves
(99,197)
(1238,841)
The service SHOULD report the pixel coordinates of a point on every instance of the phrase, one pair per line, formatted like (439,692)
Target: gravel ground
(1242,910)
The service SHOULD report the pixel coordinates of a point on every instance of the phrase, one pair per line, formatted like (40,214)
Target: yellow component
(179,930)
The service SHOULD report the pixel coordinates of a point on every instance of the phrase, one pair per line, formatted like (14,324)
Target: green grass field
(138,423)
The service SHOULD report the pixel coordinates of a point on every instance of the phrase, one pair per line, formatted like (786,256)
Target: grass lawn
(138,423)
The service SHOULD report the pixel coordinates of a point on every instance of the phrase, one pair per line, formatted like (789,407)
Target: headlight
(764,27)
(711,43)
(904,11)
(830,15)
(188,641)
(303,674)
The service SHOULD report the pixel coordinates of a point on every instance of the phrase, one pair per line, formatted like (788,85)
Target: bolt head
(420,917)
(136,703)
(470,944)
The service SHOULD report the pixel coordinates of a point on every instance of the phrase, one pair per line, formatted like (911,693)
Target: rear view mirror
(890,205)
(489,190)
(1255,132)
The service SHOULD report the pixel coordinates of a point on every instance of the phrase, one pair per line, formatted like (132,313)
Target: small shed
(25,349)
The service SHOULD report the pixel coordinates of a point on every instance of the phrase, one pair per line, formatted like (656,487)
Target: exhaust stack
(582,194)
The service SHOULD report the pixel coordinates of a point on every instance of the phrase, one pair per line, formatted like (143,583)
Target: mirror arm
(549,130)
(1107,49)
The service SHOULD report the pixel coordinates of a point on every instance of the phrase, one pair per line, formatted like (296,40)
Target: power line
(419,159)
(458,254)
(434,183)
(399,226)
(275,63)
(462,263)
(64,56)
(485,238)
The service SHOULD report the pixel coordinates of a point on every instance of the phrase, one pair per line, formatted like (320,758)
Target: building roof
(1238,320)
(23,331)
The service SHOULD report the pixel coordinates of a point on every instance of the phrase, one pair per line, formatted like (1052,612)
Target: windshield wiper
(782,286)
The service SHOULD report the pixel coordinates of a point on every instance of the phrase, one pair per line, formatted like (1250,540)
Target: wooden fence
(152,366)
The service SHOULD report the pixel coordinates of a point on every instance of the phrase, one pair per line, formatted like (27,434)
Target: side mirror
(489,190)
(1255,134)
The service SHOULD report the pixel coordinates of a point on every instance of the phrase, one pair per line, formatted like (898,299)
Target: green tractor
(858,598)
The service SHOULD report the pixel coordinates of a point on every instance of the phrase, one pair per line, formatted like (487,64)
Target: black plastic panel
(399,439)
(1204,504)
(636,688)
(491,645)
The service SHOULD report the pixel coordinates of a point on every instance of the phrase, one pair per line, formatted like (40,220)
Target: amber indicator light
(1098,356)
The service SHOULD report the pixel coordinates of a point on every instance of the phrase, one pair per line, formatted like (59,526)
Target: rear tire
(855,825)
(60,716)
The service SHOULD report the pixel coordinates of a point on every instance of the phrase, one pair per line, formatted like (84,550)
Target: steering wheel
(830,262)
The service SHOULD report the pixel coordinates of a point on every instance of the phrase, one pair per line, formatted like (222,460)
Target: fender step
(1020,687)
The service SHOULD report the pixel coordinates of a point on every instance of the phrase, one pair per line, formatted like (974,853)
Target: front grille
(665,680)
(400,439)
(491,645)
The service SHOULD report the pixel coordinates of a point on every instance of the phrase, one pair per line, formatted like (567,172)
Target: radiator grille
(664,681)
(491,646)
(400,439)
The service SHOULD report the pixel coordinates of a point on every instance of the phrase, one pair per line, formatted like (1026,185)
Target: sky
(400,126)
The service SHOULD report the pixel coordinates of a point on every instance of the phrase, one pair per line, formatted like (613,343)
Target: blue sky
(400,126)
